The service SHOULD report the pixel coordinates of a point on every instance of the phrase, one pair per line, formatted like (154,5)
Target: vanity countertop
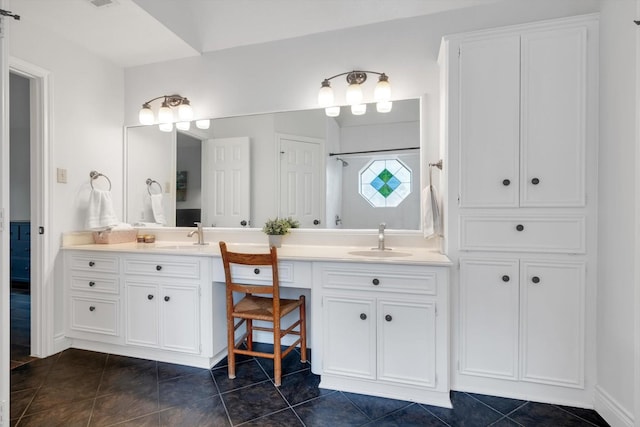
(400,255)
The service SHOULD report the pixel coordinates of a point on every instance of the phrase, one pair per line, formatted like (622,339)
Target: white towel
(100,213)
(432,220)
(157,207)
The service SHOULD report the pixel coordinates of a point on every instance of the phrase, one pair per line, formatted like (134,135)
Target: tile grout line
(577,416)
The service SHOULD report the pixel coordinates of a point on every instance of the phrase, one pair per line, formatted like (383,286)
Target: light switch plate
(62,175)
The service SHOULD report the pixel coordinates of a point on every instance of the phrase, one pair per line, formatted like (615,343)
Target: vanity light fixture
(165,112)
(355,78)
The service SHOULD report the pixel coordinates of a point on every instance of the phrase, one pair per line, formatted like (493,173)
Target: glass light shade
(203,124)
(183,125)
(358,109)
(146,116)
(332,111)
(382,92)
(166,127)
(325,96)
(354,94)
(165,115)
(384,106)
(185,112)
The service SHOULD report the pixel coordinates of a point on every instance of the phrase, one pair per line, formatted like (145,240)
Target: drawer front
(94,315)
(163,267)
(102,263)
(564,234)
(291,274)
(94,283)
(405,278)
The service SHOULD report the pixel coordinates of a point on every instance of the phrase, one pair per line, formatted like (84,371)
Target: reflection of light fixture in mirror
(203,124)
(183,125)
(165,113)
(354,96)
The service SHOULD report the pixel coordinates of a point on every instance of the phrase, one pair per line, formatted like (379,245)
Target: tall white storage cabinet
(519,133)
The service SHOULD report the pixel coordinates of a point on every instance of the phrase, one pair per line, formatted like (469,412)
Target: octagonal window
(385,183)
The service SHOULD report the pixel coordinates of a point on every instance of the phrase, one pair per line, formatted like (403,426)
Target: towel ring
(151,182)
(95,175)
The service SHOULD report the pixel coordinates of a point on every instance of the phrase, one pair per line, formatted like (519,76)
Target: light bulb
(384,106)
(183,125)
(325,95)
(145,116)
(358,109)
(203,124)
(332,111)
(185,112)
(382,92)
(166,127)
(354,94)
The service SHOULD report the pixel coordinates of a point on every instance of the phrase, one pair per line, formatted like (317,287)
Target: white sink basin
(375,253)
(185,247)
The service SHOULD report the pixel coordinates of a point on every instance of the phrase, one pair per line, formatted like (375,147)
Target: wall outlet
(61,175)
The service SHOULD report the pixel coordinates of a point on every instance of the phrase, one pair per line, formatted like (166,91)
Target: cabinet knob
(505,278)
(363,316)
(167,298)
(535,279)
(376,282)
(519,227)
(388,318)
(149,297)
(92,283)
(92,308)
(535,181)
(158,267)
(91,263)
(506,182)
(316,222)
(243,223)
(256,271)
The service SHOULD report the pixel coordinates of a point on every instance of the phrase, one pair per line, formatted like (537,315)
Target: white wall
(19,115)
(617,187)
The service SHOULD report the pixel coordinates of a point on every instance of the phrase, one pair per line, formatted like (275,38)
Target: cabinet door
(552,319)
(349,337)
(553,117)
(407,342)
(489,318)
(180,318)
(142,314)
(489,122)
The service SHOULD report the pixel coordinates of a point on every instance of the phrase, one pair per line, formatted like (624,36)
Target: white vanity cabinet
(384,329)
(522,320)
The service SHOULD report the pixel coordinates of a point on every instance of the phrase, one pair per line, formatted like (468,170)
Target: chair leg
(277,353)
(249,334)
(303,331)
(231,356)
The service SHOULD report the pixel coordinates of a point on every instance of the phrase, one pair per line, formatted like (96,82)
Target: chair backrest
(253,259)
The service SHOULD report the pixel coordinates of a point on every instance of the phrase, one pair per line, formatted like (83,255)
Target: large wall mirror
(343,172)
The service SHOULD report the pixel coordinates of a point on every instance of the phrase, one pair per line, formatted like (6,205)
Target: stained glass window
(385,183)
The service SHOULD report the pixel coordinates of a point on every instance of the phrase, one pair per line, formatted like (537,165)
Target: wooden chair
(267,307)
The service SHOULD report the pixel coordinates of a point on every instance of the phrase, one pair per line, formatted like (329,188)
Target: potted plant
(278,227)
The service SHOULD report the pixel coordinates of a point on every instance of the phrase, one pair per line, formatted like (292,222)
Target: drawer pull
(519,227)
(92,308)
(256,271)
(535,181)
(505,278)
(92,283)
(167,298)
(149,297)
(91,263)
(158,267)
(535,279)
(388,318)
(375,282)
(506,182)
(363,316)
(243,223)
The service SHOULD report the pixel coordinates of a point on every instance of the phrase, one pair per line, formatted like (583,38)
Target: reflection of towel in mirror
(157,207)
(432,220)
(100,213)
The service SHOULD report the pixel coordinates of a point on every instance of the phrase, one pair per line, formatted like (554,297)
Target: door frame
(42,303)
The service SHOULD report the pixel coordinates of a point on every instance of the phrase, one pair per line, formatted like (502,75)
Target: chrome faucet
(199,232)
(381,228)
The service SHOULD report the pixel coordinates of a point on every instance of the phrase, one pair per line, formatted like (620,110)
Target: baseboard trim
(611,410)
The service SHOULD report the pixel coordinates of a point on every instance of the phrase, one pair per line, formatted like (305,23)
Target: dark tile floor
(83,388)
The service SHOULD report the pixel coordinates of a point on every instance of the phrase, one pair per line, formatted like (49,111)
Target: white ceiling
(137,32)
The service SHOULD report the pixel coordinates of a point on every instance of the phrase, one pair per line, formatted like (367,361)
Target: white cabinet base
(387,390)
